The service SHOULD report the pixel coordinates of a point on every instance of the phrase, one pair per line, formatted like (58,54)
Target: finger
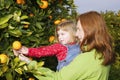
(15,52)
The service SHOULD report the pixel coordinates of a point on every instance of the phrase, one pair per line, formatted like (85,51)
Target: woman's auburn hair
(97,36)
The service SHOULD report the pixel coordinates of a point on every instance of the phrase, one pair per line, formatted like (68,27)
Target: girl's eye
(62,34)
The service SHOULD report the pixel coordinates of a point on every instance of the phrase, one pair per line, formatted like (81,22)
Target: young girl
(65,50)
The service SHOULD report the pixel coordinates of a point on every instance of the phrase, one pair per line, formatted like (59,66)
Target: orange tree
(31,22)
(113,23)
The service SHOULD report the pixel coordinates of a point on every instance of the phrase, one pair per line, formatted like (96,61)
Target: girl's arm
(56,49)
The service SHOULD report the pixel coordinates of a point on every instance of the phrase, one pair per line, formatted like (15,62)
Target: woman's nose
(76,34)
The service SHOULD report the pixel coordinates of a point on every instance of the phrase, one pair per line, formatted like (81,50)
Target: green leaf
(40,63)
(3,25)
(2,3)
(15,33)
(32,65)
(8,3)
(23,17)
(24,22)
(38,25)
(16,59)
(9,76)
(5,68)
(18,70)
(5,19)
(21,63)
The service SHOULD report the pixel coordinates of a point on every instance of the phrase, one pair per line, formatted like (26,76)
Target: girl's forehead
(61,31)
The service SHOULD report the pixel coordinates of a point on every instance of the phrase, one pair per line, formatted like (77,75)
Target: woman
(97,55)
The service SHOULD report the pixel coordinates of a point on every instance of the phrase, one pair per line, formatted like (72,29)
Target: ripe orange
(63,20)
(31,14)
(50,17)
(3,58)
(16,45)
(23,2)
(26,26)
(57,22)
(51,38)
(31,78)
(44,4)
(20,1)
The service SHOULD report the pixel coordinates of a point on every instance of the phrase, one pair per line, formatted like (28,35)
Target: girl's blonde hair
(68,26)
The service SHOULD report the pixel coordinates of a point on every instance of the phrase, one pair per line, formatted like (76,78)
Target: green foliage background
(13,18)
(113,22)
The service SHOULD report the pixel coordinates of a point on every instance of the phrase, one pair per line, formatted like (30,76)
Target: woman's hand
(24,58)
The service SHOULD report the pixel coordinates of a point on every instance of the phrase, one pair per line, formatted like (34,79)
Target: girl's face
(64,37)
(80,32)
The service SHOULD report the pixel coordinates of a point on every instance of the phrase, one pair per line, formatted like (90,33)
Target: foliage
(26,21)
(113,23)
(17,70)
(32,25)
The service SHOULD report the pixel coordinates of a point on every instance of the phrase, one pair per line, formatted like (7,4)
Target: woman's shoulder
(87,56)
(89,53)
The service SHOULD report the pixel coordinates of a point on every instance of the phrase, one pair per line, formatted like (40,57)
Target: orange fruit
(23,2)
(16,45)
(20,1)
(51,38)
(44,4)
(31,14)
(63,19)
(31,78)
(3,58)
(50,17)
(57,22)
(26,26)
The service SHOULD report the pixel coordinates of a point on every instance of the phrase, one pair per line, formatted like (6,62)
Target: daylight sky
(97,5)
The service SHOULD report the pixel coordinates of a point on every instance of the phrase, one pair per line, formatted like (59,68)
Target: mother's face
(80,32)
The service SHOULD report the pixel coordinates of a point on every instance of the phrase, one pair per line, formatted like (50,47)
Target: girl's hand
(16,53)
(23,50)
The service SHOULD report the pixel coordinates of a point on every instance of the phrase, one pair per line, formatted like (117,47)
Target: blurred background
(98,5)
